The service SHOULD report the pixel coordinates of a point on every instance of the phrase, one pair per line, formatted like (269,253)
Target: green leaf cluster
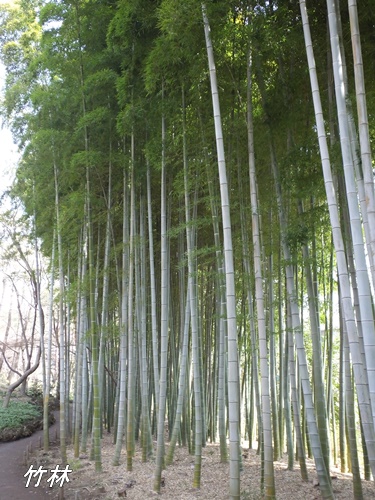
(17,413)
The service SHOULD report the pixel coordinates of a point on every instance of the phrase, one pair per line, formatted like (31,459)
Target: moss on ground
(20,419)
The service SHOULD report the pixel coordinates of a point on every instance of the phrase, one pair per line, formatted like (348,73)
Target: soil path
(12,470)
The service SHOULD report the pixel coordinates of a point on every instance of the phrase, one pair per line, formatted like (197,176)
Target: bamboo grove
(199,176)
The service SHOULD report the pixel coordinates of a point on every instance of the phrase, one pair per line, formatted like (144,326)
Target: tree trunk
(164,321)
(233,368)
(360,378)
(259,299)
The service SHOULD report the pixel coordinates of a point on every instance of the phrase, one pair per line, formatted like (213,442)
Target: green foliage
(75,464)
(85,79)
(35,392)
(17,414)
(297,235)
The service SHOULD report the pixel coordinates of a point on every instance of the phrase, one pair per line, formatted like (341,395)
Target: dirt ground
(117,482)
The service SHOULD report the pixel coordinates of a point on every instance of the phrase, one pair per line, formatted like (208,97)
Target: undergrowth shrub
(35,392)
(17,414)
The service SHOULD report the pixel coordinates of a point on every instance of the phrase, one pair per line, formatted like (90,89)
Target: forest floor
(115,482)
